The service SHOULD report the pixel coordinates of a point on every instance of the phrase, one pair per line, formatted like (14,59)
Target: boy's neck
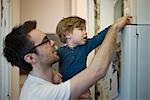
(71,45)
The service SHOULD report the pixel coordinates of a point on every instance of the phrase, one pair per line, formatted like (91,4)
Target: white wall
(0,32)
(106,19)
(14,11)
(106,13)
(79,8)
(47,12)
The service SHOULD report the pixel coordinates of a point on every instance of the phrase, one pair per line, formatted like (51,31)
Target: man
(30,49)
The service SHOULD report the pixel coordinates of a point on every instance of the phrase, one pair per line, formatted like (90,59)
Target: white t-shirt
(38,89)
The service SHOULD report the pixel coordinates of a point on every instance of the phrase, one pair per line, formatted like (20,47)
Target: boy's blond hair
(67,25)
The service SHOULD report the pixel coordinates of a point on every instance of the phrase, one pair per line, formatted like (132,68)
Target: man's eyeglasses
(45,40)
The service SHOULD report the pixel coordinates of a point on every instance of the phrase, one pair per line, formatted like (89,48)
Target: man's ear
(30,58)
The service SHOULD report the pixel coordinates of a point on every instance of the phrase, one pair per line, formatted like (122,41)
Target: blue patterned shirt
(73,60)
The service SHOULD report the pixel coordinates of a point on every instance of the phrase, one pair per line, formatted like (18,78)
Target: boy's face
(79,36)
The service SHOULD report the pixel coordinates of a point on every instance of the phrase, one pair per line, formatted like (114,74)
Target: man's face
(46,51)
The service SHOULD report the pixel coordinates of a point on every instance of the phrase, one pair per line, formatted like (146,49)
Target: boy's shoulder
(61,50)
(62,46)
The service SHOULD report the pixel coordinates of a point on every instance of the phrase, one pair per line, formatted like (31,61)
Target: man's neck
(43,74)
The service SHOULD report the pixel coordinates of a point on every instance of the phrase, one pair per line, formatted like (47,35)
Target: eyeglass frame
(45,40)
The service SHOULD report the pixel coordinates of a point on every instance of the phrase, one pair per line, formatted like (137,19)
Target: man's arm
(98,67)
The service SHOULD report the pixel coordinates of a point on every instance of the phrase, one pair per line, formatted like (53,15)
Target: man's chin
(57,58)
(83,43)
(54,62)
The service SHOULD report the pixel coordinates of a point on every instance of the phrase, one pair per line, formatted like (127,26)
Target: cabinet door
(143,63)
(128,63)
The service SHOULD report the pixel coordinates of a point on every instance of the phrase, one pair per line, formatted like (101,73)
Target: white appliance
(135,52)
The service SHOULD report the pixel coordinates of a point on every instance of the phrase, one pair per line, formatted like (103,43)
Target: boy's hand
(121,22)
(57,77)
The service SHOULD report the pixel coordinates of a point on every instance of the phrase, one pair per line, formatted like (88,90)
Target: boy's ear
(67,35)
(30,58)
